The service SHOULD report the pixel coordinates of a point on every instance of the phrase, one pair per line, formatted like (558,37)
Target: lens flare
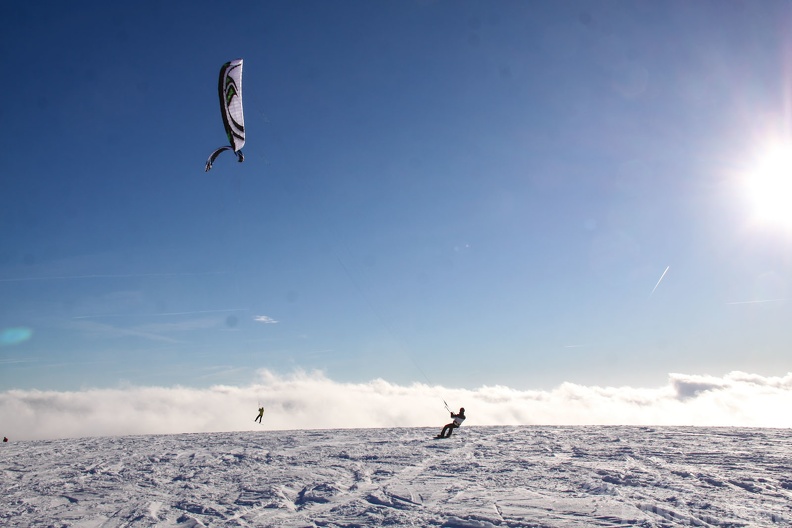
(14,336)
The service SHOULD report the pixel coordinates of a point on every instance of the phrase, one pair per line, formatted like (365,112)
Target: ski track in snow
(481,477)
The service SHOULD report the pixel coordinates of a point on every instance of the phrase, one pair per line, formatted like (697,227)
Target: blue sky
(454,193)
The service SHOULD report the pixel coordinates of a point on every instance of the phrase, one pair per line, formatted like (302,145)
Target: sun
(769,187)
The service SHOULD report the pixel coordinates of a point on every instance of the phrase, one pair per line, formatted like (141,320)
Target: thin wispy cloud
(154,331)
(180,326)
(264,319)
(96,330)
(110,276)
(313,401)
(17,361)
(217,371)
(159,314)
(761,301)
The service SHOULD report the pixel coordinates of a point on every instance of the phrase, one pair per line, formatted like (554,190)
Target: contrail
(659,280)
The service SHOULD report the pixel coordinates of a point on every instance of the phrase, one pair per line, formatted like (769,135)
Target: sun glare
(769,187)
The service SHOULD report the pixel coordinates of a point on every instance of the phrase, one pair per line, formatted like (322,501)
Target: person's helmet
(462,410)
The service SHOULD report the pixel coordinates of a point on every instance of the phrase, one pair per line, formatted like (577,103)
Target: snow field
(481,477)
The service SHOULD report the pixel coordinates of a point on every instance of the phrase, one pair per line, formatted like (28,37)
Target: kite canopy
(230,91)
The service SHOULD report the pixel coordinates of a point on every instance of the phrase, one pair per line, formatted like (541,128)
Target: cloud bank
(313,401)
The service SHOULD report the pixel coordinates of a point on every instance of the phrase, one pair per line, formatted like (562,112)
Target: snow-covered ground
(480,477)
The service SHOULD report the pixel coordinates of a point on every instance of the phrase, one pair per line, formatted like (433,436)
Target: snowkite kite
(230,91)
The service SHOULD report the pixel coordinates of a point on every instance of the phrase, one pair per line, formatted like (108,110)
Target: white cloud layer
(312,401)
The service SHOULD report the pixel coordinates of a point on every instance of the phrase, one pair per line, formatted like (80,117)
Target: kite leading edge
(230,92)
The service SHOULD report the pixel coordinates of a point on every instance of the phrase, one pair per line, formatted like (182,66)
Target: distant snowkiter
(449,428)
(5,439)
(260,414)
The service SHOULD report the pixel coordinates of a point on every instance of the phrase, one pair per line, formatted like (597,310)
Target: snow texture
(481,477)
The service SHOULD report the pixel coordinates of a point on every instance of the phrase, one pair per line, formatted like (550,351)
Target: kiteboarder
(457,421)
(260,414)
